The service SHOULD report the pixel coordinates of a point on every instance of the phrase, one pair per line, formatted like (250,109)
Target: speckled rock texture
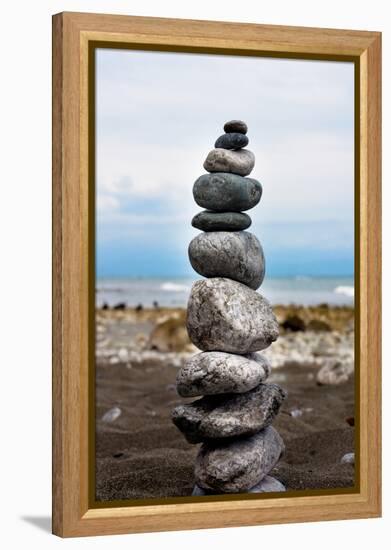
(238,465)
(221,221)
(223,192)
(235,126)
(225,315)
(222,416)
(239,162)
(235,255)
(216,372)
(233,140)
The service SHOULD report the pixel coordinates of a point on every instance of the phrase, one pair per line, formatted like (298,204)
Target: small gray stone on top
(221,221)
(239,162)
(232,140)
(235,126)
(216,372)
(235,255)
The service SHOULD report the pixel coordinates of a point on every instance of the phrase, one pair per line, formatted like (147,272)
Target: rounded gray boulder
(216,372)
(225,315)
(236,255)
(239,465)
(221,221)
(239,162)
(223,416)
(224,192)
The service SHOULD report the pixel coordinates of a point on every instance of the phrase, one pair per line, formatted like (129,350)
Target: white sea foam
(174,287)
(345,290)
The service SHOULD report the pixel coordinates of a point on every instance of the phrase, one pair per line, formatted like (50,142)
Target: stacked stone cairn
(230,322)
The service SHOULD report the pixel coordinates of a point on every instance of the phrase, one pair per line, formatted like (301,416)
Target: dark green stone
(226,192)
(221,221)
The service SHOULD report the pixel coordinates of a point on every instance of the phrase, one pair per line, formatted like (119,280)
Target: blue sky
(159,114)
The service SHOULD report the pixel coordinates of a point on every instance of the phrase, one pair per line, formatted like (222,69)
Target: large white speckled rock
(239,465)
(236,255)
(239,162)
(222,416)
(225,315)
(216,372)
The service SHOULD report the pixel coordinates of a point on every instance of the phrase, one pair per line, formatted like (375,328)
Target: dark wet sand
(142,455)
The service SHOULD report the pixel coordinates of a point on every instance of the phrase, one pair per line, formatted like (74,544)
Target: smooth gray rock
(233,140)
(221,221)
(236,255)
(222,416)
(268,484)
(216,372)
(348,458)
(235,126)
(238,465)
(225,315)
(224,192)
(239,162)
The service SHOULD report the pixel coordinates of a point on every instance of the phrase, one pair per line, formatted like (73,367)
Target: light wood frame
(72,228)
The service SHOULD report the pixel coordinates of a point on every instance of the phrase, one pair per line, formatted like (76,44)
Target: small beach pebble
(111,415)
(348,458)
(268,484)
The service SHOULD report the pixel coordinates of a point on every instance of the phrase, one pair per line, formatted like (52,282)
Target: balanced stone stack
(230,322)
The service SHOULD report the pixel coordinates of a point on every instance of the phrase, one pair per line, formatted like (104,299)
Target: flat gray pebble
(221,221)
(216,372)
(223,416)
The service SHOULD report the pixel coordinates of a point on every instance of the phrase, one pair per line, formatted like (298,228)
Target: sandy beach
(140,453)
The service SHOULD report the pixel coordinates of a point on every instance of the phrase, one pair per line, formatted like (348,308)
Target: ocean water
(174,292)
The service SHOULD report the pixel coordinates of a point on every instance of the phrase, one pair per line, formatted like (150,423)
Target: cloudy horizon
(158,115)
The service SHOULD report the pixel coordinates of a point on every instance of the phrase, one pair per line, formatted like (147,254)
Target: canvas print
(224,284)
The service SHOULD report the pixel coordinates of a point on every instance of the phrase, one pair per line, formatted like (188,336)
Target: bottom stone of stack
(239,465)
(268,484)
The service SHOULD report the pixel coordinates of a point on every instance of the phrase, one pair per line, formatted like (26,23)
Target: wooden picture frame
(75,35)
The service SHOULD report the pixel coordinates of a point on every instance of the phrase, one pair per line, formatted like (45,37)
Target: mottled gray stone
(224,192)
(239,162)
(216,372)
(238,465)
(268,484)
(222,416)
(225,315)
(235,126)
(221,221)
(233,140)
(236,255)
